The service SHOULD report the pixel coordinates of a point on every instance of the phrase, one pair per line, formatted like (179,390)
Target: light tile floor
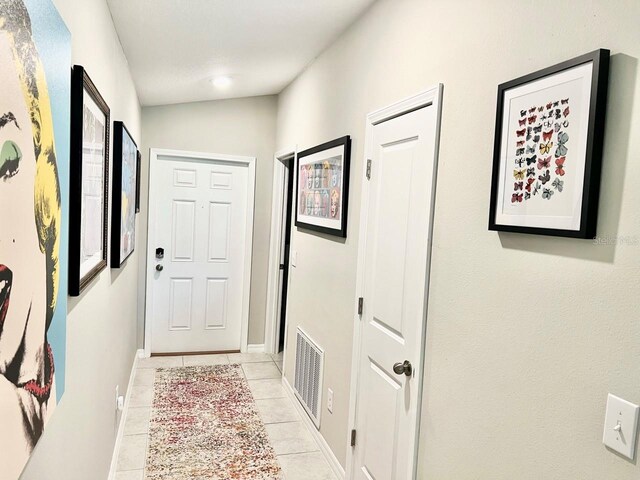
(295,447)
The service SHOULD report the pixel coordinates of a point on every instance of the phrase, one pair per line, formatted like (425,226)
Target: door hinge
(368,169)
(360,305)
(353,437)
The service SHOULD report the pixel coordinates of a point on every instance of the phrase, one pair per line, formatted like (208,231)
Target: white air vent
(308,381)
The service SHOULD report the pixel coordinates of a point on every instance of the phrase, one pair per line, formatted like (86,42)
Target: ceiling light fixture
(222,82)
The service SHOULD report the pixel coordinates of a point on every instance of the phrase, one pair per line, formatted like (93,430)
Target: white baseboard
(255,348)
(338,470)
(123,416)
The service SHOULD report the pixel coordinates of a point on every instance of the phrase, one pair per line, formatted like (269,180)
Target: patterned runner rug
(205,426)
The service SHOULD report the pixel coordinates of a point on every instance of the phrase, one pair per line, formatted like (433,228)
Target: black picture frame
(138,167)
(82,85)
(341,230)
(120,134)
(594,145)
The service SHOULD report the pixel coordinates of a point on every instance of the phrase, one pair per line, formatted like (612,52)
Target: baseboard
(123,416)
(338,470)
(255,348)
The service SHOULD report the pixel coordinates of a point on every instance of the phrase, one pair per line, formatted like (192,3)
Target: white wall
(101,326)
(526,334)
(245,126)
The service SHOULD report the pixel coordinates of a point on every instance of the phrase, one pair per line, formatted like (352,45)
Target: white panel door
(200,219)
(398,230)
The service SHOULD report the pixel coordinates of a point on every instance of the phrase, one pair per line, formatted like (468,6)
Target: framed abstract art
(90,118)
(548,149)
(35,60)
(125,184)
(323,187)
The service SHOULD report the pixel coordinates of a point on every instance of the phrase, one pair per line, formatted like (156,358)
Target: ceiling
(175,47)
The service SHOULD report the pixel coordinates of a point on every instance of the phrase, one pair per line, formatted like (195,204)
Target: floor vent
(308,377)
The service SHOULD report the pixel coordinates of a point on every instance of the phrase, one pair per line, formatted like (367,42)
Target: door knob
(403,368)
(159,267)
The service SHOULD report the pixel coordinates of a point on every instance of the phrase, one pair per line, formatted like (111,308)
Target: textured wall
(526,334)
(101,325)
(245,126)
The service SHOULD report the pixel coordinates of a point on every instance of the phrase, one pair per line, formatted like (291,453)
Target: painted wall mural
(35,59)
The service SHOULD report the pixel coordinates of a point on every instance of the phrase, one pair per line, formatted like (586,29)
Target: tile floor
(297,451)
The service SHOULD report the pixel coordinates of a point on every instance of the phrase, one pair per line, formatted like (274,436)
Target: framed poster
(548,149)
(90,118)
(123,208)
(35,60)
(323,187)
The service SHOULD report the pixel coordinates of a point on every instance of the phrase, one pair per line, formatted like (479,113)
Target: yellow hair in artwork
(16,23)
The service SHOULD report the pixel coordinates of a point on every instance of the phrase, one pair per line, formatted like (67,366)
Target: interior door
(199,227)
(398,238)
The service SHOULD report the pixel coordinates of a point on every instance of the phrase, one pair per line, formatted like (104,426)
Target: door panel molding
(429,98)
(213,158)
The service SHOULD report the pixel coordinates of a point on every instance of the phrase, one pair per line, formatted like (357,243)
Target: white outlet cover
(621,439)
(330,400)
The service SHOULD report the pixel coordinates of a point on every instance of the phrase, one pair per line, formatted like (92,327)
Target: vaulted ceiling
(176,47)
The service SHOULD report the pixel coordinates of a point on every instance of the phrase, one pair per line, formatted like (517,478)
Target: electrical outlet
(117,396)
(330,400)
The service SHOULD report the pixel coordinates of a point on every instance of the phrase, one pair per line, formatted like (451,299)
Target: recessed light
(221,82)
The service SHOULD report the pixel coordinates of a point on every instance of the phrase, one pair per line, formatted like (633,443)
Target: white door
(199,252)
(395,280)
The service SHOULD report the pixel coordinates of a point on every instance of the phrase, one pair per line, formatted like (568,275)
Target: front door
(398,239)
(200,218)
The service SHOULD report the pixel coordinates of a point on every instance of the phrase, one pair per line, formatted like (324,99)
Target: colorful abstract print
(541,151)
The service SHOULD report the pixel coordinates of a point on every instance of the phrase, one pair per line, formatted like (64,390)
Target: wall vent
(308,375)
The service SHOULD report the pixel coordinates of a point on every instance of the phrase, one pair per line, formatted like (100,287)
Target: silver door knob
(159,267)
(403,368)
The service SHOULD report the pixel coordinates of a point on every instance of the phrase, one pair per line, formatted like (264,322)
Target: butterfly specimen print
(546,136)
(563,138)
(519,174)
(520,143)
(531,160)
(537,129)
(519,161)
(566,112)
(531,172)
(544,163)
(527,195)
(532,109)
(536,138)
(556,127)
(549,105)
(545,147)
(555,104)
(544,178)
(523,113)
(558,184)
(518,186)
(560,166)
(532,119)
(531,149)
(519,151)
(522,122)
(565,101)
(530,182)
(565,124)
(547,193)
(536,188)
(520,133)
(516,197)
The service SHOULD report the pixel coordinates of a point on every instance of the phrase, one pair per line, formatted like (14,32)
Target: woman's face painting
(22,263)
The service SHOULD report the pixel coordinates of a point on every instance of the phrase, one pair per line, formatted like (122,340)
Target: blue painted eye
(10,156)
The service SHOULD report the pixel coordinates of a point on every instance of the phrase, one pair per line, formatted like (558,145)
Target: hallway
(296,450)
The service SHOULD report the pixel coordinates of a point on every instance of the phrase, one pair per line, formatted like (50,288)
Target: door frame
(275,243)
(430,97)
(250,163)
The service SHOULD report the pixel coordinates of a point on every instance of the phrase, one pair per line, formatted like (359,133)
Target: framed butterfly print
(323,187)
(548,149)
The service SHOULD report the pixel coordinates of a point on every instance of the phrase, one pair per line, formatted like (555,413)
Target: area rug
(205,426)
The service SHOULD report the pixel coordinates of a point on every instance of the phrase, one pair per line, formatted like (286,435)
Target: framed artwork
(90,120)
(138,166)
(123,208)
(323,187)
(548,149)
(35,60)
